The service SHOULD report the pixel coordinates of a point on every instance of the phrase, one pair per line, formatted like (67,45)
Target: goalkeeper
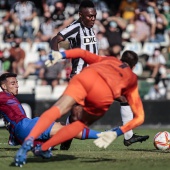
(107,78)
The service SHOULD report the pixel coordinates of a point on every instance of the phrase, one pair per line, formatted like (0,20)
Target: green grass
(84,155)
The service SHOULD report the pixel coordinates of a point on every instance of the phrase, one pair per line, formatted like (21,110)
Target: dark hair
(130,57)
(6,75)
(86,4)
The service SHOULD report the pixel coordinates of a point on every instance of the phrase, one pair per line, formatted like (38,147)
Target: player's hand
(54,57)
(105,139)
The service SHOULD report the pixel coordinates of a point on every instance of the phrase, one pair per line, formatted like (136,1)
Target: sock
(64,134)
(45,120)
(127,115)
(86,133)
(89,134)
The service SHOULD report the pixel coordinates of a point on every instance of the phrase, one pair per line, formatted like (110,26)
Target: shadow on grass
(65,158)
(95,160)
(8,149)
(53,159)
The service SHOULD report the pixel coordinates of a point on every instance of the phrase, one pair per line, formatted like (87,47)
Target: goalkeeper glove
(54,57)
(107,137)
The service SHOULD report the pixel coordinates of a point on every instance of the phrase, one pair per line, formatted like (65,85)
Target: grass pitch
(84,155)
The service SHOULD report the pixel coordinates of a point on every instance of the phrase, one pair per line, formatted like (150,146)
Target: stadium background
(157,110)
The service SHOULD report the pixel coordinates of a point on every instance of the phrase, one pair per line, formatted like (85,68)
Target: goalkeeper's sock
(127,115)
(89,134)
(64,134)
(45,120)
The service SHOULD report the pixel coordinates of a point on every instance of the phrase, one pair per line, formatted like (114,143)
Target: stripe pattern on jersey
(80,37)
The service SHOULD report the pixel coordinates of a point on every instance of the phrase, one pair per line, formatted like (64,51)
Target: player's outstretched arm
(136,104)
(87,56)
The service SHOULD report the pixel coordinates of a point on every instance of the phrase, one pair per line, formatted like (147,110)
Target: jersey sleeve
(136,105)
(87,56)
(11,109)
(69,32)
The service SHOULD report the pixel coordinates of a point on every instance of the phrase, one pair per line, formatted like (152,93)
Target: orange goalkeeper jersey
(118,75)
(120,79)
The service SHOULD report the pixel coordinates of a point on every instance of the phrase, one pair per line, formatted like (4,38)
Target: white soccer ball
(162,140)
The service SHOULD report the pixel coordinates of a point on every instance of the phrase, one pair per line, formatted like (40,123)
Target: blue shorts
(24,127)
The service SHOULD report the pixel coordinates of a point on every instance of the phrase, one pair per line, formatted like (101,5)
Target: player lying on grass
(15,118)
(107,78)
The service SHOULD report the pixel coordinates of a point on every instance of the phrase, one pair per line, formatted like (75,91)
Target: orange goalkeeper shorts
(90,91)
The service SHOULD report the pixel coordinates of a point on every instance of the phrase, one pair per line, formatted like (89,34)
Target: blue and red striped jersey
(11,109)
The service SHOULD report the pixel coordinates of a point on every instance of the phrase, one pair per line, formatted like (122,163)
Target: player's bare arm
(55,42)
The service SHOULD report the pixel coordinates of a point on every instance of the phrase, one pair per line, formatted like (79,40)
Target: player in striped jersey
(80,34)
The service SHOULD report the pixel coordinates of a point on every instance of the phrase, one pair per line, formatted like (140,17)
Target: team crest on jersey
(87,40)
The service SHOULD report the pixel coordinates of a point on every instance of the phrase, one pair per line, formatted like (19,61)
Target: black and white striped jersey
(79,37)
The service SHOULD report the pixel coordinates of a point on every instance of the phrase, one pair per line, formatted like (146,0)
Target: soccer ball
(162,140)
